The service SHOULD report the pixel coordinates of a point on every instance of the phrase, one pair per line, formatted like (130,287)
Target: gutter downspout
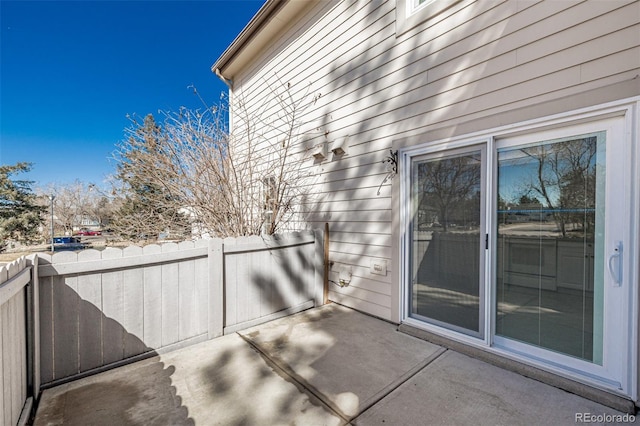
(229,84)
(325,290)
(225,80)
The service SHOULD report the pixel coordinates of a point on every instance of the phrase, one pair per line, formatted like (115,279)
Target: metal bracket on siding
(391,164)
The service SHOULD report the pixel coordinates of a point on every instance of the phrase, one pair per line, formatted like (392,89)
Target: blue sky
(71,71)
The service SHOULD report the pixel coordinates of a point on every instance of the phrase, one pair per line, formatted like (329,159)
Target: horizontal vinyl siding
(477,59)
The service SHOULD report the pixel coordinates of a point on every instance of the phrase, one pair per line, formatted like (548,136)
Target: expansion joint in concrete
(401,380)
(290,376)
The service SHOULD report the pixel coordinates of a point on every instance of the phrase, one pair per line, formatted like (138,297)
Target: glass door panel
(446,230)
(550,228)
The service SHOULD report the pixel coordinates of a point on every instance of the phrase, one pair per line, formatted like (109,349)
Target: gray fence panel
(231,296)
(170,302)
(267,277)
(14,279)
(113,310)
(186,297)
(152,305)
(46,325)
(100,309)
(90,316)
(216,288)
(93,318)
(65,319)
(201,283)
(133,324)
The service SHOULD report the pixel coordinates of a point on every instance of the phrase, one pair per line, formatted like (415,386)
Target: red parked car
(88,232)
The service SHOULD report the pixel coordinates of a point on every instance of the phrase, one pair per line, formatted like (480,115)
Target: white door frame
(629,112)
(482,147)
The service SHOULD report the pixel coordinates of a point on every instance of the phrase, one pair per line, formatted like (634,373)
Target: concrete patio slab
(458,390)
(324,366)
(347,359)
(219,382)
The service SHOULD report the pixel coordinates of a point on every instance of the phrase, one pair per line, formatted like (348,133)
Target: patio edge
(617,402)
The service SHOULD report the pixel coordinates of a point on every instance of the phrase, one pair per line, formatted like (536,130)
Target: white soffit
(273,18)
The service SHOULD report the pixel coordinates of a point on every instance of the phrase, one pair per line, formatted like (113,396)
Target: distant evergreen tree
(148,209)
(20,215)
(528,201)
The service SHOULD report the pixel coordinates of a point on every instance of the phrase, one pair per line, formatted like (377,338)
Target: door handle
(616,271)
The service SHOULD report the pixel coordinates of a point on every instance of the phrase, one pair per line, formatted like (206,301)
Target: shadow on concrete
(87,342)
(346,359)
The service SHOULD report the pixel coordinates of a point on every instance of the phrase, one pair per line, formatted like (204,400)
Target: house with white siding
(478,166)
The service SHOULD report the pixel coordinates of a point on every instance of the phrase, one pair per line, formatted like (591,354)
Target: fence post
(34,328)
(216,287)
(318,284)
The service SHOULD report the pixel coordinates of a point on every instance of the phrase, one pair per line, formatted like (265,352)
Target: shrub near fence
(102,309)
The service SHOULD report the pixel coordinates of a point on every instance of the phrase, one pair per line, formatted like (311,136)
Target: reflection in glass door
(447,245)
(544,268)
(550,228)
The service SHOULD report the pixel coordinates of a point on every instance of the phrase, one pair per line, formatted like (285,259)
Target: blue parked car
(67,243)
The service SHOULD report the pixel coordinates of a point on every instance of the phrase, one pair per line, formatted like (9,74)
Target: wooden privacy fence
(73,314)
(100,309)
(16,342)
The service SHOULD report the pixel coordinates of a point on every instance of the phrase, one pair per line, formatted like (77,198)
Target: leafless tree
(70,204)
(74,204)
(226,184)
(565,179)
(449,188)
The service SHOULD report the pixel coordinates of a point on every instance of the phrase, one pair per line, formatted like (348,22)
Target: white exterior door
(448,238)
(559,234)
(524,243)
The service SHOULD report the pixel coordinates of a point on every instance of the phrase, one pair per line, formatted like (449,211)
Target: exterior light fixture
(340,146)
(319,151)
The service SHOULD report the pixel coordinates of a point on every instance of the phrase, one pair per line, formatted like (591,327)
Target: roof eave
(259,20)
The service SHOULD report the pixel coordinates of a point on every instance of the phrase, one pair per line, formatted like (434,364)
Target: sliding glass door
(562,221)
(447,239)
(550,229)
(518,243)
